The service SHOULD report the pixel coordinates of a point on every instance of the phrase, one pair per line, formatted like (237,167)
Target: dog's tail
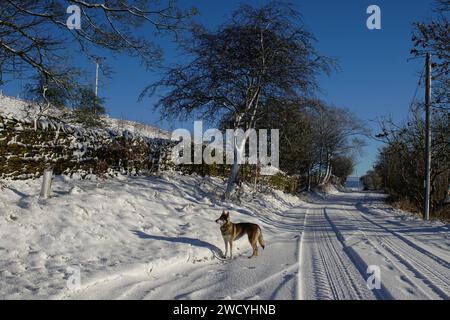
(261,239)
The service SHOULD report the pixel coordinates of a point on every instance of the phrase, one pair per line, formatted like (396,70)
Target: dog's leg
(252,241)
(226,247)
(231,249)
(255,250)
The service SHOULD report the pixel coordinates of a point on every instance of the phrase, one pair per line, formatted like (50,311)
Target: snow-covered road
(322,251)
(347,232)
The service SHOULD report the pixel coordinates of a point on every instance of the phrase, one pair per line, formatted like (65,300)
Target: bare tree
(315,138)
(34,36)
(434,37)
(401,163)
(339,134)
(260,54)
(47,96)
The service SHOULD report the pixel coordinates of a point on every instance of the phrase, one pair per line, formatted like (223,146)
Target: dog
(232,232)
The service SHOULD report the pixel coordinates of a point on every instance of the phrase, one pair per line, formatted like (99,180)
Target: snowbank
(127,225)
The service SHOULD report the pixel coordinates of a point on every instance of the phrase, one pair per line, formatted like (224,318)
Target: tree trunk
(327,177)
(234,170)
(324,180)
(309,179)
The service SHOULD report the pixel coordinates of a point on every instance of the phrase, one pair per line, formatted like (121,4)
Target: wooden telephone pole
(427,138)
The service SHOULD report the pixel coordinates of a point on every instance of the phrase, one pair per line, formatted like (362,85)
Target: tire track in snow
(300,285)
(360,263)
(426,268)
(249,290)
(408,242)
(328,272)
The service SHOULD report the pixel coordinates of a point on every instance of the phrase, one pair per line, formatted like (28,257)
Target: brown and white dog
(232,232)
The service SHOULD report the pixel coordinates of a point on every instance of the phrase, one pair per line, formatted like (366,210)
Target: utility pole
(427,138)
(98,60)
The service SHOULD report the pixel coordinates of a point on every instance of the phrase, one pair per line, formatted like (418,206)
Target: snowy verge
(125,226)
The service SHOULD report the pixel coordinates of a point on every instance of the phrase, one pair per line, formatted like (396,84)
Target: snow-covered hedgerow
(249,173)
(25,151)
(31,141)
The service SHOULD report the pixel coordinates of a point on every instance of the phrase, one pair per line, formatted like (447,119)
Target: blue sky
(376,78)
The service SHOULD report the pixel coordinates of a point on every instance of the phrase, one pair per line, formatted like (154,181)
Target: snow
(28,111)
(13,107)
(269,171)
(133,226)
(348,232)
(119,126)
(155,238)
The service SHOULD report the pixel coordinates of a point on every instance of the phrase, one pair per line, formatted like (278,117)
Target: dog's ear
(228,214)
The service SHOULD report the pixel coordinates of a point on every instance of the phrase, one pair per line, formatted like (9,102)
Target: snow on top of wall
(15,108)
(27,111)
(118,126)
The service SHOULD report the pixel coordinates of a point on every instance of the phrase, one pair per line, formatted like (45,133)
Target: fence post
(46,188)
